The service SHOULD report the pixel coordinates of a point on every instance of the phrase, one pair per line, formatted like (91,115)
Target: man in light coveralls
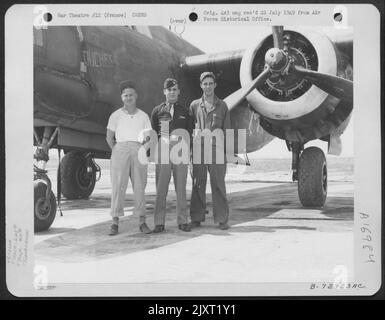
(173,125)
(126,133)
(212,117)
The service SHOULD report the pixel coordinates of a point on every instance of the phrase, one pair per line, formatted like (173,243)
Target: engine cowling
(290,107)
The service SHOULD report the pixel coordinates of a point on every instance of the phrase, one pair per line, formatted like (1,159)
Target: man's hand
(110,138)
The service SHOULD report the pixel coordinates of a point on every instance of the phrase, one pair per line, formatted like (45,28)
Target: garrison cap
(127,84)
(169,83)
(205,75)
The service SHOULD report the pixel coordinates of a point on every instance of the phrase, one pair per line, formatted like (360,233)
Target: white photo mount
(35,269)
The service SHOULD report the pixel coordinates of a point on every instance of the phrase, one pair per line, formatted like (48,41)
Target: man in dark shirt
(173,125)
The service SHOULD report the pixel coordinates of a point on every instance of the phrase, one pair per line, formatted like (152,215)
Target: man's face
(208,86)
(172,94)
(129,97)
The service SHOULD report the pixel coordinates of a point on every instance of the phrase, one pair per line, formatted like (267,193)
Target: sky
(223,38)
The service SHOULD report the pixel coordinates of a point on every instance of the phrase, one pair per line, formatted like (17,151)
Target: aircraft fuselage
(77,71)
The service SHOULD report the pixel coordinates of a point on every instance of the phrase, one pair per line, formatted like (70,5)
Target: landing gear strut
(295,148)
(310,170)
(44,198)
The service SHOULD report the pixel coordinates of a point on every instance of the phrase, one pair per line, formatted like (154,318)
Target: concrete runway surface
(272,237)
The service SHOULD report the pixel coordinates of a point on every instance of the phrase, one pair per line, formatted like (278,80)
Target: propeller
(278,62)
(339,87)
(278,36)
(236,97)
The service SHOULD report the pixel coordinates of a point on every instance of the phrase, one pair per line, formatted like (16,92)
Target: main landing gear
(76,178)
(310,170)
(78,175)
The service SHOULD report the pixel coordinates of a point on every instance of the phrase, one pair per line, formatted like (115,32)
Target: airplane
(293,84)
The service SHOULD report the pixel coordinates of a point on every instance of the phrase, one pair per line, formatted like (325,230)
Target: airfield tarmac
(271,239)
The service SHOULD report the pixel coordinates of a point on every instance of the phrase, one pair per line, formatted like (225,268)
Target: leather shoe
(223,226)
(195,224)
(113,230)
(144,228)
(158,228)
(184,227)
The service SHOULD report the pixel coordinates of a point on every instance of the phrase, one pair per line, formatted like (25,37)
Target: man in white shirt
(126,132)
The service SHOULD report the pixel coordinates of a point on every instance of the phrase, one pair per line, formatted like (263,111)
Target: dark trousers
(163,176)
(218,190)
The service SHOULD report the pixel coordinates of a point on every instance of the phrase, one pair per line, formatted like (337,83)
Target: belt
(128,142)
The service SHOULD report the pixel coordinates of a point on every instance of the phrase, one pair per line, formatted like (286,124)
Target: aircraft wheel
(43,215)
(76,182)
(312,177)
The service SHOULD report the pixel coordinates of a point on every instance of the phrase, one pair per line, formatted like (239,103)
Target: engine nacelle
(291,108)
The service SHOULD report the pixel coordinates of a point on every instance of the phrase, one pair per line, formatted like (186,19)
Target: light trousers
(125,165)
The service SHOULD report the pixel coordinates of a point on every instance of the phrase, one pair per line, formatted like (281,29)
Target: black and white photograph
(209,153)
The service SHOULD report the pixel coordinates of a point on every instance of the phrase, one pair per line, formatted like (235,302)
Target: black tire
(43,216)
(76,183)
(312,178)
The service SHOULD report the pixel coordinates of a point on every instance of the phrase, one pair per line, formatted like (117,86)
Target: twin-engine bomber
(293,84)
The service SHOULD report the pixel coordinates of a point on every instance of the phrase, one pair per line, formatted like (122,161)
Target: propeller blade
(339,87)
(236,97)
(278,36)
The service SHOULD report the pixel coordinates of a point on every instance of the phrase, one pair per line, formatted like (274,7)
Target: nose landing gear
(77,176)
(44,198)
(44,206)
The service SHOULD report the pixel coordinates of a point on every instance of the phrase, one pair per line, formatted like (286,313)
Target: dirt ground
(271,239)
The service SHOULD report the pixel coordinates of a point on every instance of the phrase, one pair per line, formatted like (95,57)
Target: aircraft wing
(225,65)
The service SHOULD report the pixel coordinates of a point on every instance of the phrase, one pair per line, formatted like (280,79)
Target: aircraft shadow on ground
(93,242)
